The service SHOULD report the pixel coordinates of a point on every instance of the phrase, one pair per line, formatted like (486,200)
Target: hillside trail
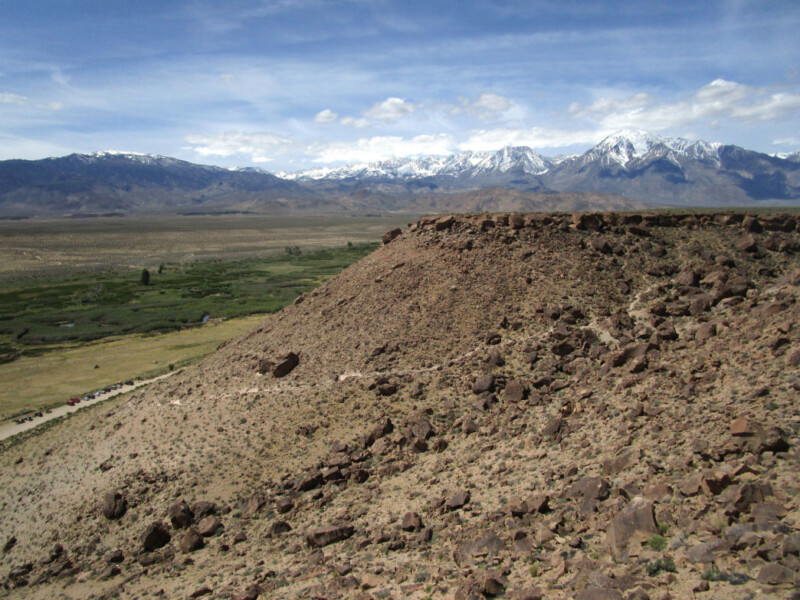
(12,428)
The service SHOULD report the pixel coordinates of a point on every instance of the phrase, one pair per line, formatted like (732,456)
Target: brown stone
(705,332)
(515,391)
(329,535)
(209,525)
(457,500)
(776,574)
(390,235)
(285,365)
(635,521)
(155,536)
(191,541)
(478,547)
(741,426)
(483,384)
(411,522)
(180,515)
(114,506)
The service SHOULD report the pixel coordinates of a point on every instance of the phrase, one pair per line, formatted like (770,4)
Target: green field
(75,316)
(35,318)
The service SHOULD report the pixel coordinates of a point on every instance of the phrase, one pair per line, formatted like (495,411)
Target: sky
(286,85)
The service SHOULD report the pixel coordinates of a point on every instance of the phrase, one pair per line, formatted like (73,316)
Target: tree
(145,277)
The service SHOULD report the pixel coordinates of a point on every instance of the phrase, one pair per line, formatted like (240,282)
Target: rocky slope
(523,406)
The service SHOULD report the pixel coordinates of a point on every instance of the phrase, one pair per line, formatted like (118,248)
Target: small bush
(662,564)
(657,542)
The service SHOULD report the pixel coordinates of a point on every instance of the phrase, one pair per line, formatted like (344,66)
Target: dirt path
(11,428)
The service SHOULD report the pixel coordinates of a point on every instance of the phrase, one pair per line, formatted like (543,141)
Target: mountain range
(634,165)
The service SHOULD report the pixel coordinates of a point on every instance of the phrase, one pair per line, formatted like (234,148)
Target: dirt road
(11,428)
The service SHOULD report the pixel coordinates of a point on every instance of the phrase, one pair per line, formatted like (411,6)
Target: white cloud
(259,146)
(355,122)
(486,106)
(17,100)
(719,99)
(390,110)
(8,98)
(325,116)
(536,137)
(383,147)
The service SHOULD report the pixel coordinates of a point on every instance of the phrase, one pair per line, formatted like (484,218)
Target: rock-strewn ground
(524,406)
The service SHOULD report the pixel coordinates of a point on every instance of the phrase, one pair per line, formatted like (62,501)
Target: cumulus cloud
(536,137)
(390,110)
(18,100)
(259,146)
(486,106)
(383,147)
(355,122)
(720,99)
(325,116)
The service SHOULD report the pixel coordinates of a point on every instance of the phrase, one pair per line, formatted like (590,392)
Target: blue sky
(293,84)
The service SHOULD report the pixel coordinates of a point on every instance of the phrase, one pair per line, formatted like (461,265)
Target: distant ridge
(636,165)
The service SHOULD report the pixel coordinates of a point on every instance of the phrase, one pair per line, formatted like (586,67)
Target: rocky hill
(513,405)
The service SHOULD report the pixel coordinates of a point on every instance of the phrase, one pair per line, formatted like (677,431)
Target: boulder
(411,522)
(209,525)
(457,500)
(191,541)
(635,522)
(390,235)
(478,548)
(483,384)
(285,365)
(329,535)
(114,506)
(180,515)
(155,536)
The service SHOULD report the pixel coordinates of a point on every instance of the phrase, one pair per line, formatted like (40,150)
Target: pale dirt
(417,312)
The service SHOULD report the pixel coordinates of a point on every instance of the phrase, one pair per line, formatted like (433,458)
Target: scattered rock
(191,541)
(457,500)
(329,535)
(180,515)
(114,506)
(155,536)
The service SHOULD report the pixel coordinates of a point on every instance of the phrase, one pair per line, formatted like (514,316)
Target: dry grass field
(37,253)
(36,248)
(41,382)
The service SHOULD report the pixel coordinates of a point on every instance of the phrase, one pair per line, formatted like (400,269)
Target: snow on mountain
(463,164)
(625,147)
(622,149)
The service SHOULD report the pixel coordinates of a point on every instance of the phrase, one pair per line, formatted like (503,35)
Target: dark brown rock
(390,235)
(155,536)
(329,535)
(483,384)
(479,547)
(411,522)
(191,541)
(279,527)
(203,508)
(114,506)
(637,520)
(285,365)
(457,500)
(776,574)
(209,525)
(308,482)
(284,505)
(180,515)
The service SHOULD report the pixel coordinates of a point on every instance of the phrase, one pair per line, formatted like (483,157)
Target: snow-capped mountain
(463,165)
(112,182)
(636,164)
(625,147)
